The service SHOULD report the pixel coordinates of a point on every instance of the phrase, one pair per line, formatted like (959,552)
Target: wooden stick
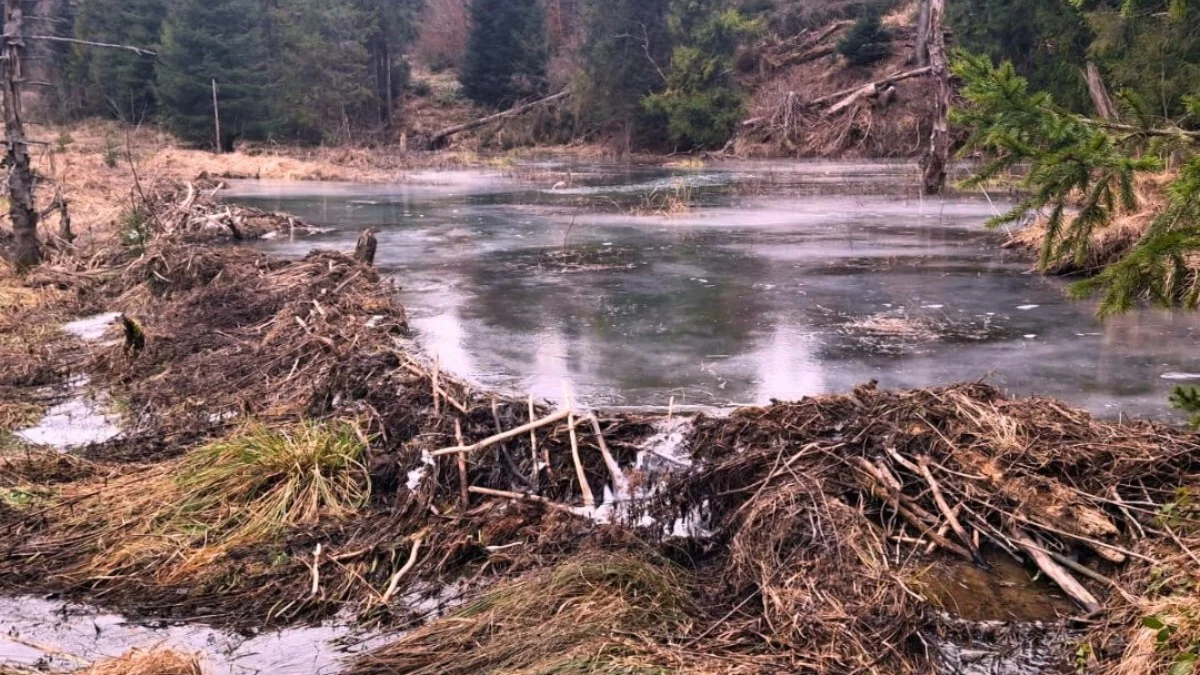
(589,500)
(886,492)
(620,483)
(520,497)
(437,407)
(439,391)
(940,500)
(463,485)
(394,582)
(316,572)
(1061,576)
(533,450)
(511,433)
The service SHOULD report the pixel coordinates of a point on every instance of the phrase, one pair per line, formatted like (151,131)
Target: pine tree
(627,48)
(321,70)
(701,105)
(506,53)
(867,42)
(206,40)
(115,82)
(1047,42)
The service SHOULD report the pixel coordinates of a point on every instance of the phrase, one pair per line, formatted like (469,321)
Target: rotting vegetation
(288,456)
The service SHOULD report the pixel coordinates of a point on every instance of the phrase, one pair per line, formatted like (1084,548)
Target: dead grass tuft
(155,661)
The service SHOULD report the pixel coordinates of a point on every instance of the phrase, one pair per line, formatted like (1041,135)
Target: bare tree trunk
(217,117)
(934,163)
(27,250)
(1100,98)
(922,55)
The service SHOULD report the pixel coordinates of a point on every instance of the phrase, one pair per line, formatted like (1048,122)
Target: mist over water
(787,280)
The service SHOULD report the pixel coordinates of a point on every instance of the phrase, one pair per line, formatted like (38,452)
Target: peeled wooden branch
(520,497)
(500,438)
(589,499)
(620,483)
(394,582)
(1056,572)
(940,500)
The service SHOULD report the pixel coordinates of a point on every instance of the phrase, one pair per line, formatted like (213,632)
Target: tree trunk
(27,250)
(934,163)
(922,52)
(1100,98)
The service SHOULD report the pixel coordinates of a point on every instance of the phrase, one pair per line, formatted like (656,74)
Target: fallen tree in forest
(439,138)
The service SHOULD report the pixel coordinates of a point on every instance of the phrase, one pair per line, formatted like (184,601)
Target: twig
(533,450)
(498,438)
(521,497)
(316,572)
(589,500)
(437,407)
(888,493)
(465,494)
(940,500)
(620,483)
(394,582)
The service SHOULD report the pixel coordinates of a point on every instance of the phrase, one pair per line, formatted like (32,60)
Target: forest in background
(655,75)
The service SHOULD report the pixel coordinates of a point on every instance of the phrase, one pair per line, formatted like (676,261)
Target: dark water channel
(787,280)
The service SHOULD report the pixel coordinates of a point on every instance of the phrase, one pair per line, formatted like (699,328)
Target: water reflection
(791,280)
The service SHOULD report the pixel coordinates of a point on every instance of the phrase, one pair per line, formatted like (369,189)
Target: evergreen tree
(506,53)
(1047,42)
(623,57)
(321,69)
(115,82)
(701,105)
(206,40)
(394,23)
(867,42)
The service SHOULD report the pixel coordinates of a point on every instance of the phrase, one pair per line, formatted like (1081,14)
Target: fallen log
(440,137)
(847,97)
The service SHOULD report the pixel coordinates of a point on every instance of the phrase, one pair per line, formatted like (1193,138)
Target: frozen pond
(788,280)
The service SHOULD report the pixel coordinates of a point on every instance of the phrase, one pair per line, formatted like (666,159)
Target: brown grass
(155,661)
(1108,244)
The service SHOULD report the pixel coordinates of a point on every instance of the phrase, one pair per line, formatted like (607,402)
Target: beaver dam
(288,458)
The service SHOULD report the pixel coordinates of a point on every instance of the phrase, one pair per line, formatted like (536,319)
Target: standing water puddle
(782,280)
(80,418)
(36,632)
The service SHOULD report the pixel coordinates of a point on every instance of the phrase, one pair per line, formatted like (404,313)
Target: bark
(922,52)
(846,96)
(937,156)
(27,250)
(1099,93)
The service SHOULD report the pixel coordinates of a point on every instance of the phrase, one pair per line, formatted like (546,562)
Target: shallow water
(788,280)
(37,632)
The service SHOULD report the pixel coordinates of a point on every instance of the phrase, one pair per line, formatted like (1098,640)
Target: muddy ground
(287,456)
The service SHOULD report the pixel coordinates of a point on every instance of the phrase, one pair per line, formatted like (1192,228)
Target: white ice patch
(1026,308)
(932,306)
(668,443)
(77,422)
(1180,376)
(1031,336)
(418,474)
(91,328)
(374,321)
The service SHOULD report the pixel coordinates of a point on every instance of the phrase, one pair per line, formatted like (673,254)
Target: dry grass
(148,662)
(1110,243)
(598,614)
(174,520)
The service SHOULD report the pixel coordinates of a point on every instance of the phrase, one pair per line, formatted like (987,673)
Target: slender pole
(217,115)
